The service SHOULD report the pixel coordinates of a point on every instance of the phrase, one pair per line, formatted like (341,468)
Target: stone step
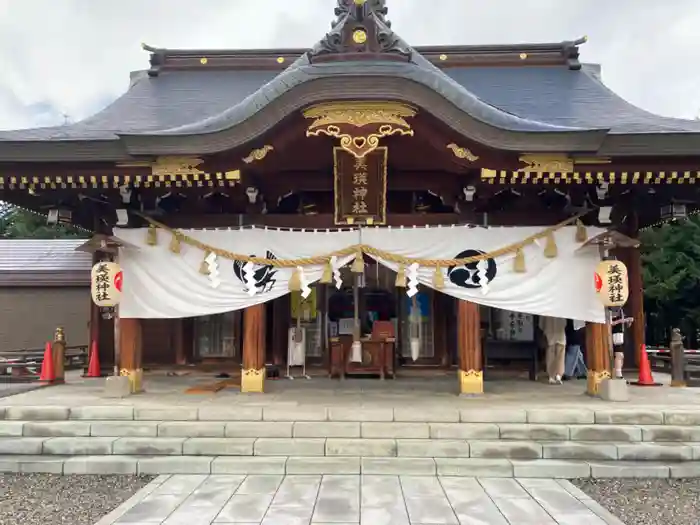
(428,414)
(468,467)
(615,433)
(350,447)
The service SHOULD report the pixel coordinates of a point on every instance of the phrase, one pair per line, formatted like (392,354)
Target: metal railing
(25,364)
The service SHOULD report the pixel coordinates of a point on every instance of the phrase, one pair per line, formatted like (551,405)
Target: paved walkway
(367,500)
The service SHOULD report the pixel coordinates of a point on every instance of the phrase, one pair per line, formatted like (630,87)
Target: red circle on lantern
(598,281)
(118,281)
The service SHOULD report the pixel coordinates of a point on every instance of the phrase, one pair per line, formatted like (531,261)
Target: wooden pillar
(635,303)
(597,355)
(281,313)
(471,375)
(253,375)
(178,333)
(131,352)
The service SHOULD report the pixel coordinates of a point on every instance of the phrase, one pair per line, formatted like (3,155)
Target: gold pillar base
(593,381)
(135,379)
(253,380)
(678,383)
(471,381)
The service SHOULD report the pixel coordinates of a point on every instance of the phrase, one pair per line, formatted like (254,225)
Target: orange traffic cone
(48,375)
(94,362)
(645,377)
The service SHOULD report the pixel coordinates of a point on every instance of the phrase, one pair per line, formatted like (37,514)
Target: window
(218,336)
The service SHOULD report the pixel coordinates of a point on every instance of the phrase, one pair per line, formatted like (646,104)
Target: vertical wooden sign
(360,187)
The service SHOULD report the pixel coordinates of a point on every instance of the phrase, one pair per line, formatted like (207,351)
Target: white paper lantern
(611,283)
(106,284)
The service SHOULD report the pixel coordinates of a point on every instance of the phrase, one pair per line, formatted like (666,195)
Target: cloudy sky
(66,59)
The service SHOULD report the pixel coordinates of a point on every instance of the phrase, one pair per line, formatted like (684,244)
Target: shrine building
(359,207)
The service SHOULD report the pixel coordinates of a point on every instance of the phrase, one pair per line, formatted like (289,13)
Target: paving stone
(682,417)
(464,431)
(603,513)
(338,500)
(103,413)
(506,449)
(629,417)
(77,446)
(289,447)
(261,429)
(56,429)
(629,469)
(430,415)
(610,433)
(277,413)
(236,413)
(360,414)
(260,484)
(498,415)
(190,429)
(560,416)
(9,463)
(41,465)
(154,508)
(696,452)
(579,450)
(2,412)
(434,509)
(245,508)
(523,511)
(398,466)
(103,465)
(124,428)
(23,445)
(11,428)
(340,429)
(248,465)
(502,488)
(551,468)
(536,432)
(360,447)
(671,433)
(474,467)
(148,446)
(432,448)
(654,452)
(37,413)
(324,465)
(395,430)
(685,470)
(165,414)
(218,447)
(175,465)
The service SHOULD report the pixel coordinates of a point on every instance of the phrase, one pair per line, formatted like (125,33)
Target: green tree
(16,223)
(671,273)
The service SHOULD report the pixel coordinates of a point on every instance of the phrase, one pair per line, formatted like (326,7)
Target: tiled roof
(31,262)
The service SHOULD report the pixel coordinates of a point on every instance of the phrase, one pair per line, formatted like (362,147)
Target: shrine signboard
(611,283)
(106,284)
(360,187)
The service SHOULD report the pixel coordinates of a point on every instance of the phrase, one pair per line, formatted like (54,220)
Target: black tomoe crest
(471,275)
(264,276)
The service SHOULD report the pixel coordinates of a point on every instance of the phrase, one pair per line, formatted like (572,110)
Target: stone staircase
(542,442)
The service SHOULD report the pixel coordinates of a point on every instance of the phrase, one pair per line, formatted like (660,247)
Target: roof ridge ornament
(361,31)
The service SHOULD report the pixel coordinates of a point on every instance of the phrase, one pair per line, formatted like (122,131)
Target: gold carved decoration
(462,153)
(548,163)
(471,382)
(135,378)
(253,380)
(176,166)
(258,154)
(359,37)
(342,120)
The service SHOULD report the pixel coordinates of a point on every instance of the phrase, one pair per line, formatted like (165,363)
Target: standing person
(619,323)
(575,366)
(554,329)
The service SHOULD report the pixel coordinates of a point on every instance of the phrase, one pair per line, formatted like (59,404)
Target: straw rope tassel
(519,261)
(204,267)
(550,250)
(581,233)
(358,265)
(152,236)
(401,277)
(175,245)
(295,281)
(438,279)
(327,277)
